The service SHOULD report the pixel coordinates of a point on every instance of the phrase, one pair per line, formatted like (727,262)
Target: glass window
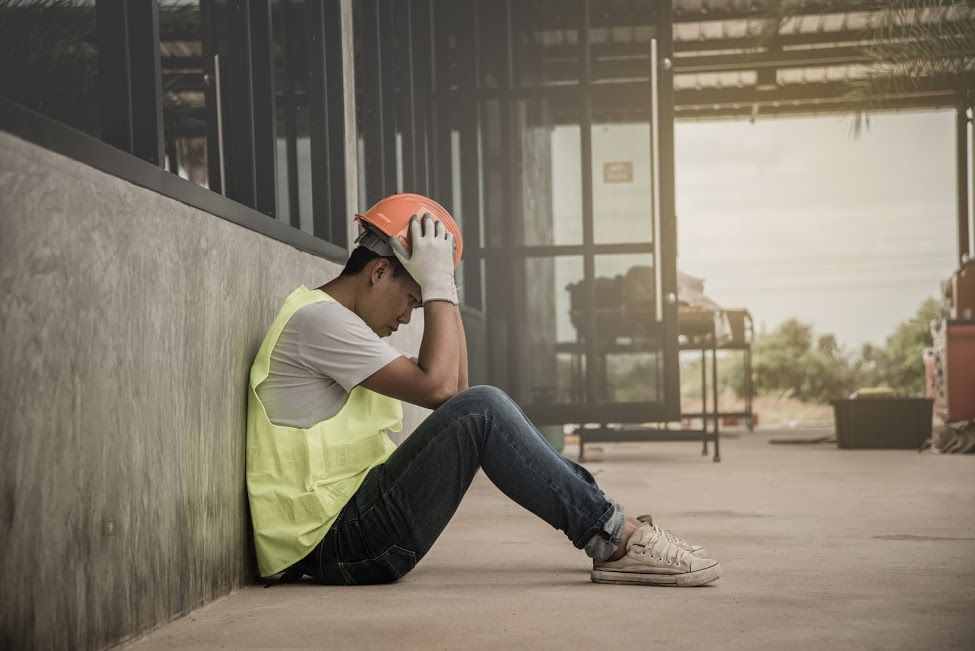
(549,323)
(547,205)
(494,162)
(50,61)
(622,183)
(294,195)
(629,337)
(566,184)
(183,91)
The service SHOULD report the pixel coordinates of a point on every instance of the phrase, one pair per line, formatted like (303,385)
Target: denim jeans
(403,505)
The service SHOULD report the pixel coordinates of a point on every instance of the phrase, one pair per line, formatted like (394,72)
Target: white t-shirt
(324,352)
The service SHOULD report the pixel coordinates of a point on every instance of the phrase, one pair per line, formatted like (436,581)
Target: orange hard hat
(391,218)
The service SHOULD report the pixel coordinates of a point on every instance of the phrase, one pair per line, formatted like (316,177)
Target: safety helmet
(391,218)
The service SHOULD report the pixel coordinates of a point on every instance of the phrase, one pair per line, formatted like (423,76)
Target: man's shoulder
(327,316)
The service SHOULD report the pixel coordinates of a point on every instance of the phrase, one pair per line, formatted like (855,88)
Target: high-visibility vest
(298,480)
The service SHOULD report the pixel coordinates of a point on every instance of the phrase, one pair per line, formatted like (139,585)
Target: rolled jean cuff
(607,538)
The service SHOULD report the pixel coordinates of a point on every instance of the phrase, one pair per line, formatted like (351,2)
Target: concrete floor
(821,548)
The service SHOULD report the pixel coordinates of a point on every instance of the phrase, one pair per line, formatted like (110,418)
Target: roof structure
(724,68)
(724,65)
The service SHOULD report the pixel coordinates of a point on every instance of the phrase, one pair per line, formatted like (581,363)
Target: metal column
(130,77)
(250,127)
(961,154)
(327,99)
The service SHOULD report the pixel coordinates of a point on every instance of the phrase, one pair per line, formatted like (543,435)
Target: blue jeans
(403,505)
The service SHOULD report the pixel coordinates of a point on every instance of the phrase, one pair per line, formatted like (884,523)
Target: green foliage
(900,364)
(785,362)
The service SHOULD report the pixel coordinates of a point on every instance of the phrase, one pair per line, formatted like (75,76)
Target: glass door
(574,182)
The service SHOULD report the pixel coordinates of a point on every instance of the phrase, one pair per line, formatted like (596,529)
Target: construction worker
(333,498)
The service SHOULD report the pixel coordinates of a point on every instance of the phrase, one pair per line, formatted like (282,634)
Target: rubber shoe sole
(686,580)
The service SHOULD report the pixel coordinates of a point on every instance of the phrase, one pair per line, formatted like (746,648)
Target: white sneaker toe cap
(702,564)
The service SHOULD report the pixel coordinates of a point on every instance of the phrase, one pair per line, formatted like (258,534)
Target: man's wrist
(446,291)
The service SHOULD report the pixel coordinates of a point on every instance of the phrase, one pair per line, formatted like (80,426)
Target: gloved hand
(431,262)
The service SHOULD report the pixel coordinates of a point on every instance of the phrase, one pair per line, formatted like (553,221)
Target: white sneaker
(697,550)
(653,559)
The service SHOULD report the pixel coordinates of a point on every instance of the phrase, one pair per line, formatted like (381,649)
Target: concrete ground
(821,548)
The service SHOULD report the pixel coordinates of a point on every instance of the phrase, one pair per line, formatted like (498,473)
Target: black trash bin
(898,423)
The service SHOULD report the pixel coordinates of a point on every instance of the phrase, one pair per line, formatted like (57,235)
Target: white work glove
(431,263)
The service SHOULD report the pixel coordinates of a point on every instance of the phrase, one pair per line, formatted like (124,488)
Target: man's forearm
(440,347)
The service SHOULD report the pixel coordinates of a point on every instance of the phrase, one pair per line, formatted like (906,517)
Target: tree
(867,366)
(785,362)
(901,366)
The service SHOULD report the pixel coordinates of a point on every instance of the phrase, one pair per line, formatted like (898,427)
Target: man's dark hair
(361,256)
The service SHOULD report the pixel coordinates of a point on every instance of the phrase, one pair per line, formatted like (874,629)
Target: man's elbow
(443,392)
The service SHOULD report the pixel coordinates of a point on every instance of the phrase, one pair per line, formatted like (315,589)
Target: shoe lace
(658,545)
(677,540)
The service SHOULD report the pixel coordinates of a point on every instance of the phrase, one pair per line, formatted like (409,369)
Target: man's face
(391,300)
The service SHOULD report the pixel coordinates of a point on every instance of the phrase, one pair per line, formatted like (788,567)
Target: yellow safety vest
(298,480)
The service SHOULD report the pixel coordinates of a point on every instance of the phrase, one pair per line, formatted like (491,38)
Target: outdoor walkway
(821,548)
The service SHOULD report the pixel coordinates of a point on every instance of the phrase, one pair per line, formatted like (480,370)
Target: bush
(785,362)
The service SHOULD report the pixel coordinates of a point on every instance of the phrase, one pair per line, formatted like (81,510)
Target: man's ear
(379,269)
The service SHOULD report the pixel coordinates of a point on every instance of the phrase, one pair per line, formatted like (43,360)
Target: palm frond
(907,42)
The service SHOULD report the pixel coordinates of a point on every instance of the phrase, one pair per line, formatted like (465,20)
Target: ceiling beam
(830,90)
(707,10)
(799,39)
(809,58)
(805,109)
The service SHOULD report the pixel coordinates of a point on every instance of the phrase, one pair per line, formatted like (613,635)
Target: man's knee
(479,397)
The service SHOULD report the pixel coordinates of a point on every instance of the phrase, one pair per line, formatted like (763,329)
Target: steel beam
(263,106)
(666,100)
(369,100)
(594,364)
(250,125)
(292,22)
(824,107)
(209,117)
(801,39)
(405,99)
(326,125)
(422,43)
(147,114)
(388,52)
(130,77)
(961,157)
(930,89)
(618,57)
(711,10)
(807,58)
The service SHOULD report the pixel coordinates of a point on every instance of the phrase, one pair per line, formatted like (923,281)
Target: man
(333,498)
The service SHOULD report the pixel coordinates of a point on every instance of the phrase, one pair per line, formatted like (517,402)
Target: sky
(796,218)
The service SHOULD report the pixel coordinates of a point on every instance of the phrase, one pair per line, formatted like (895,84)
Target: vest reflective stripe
(298,480)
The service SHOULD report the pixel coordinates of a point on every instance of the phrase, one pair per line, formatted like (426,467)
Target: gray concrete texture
(128,325)
(821,549)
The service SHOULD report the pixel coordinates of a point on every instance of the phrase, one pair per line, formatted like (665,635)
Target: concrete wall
(128,324)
